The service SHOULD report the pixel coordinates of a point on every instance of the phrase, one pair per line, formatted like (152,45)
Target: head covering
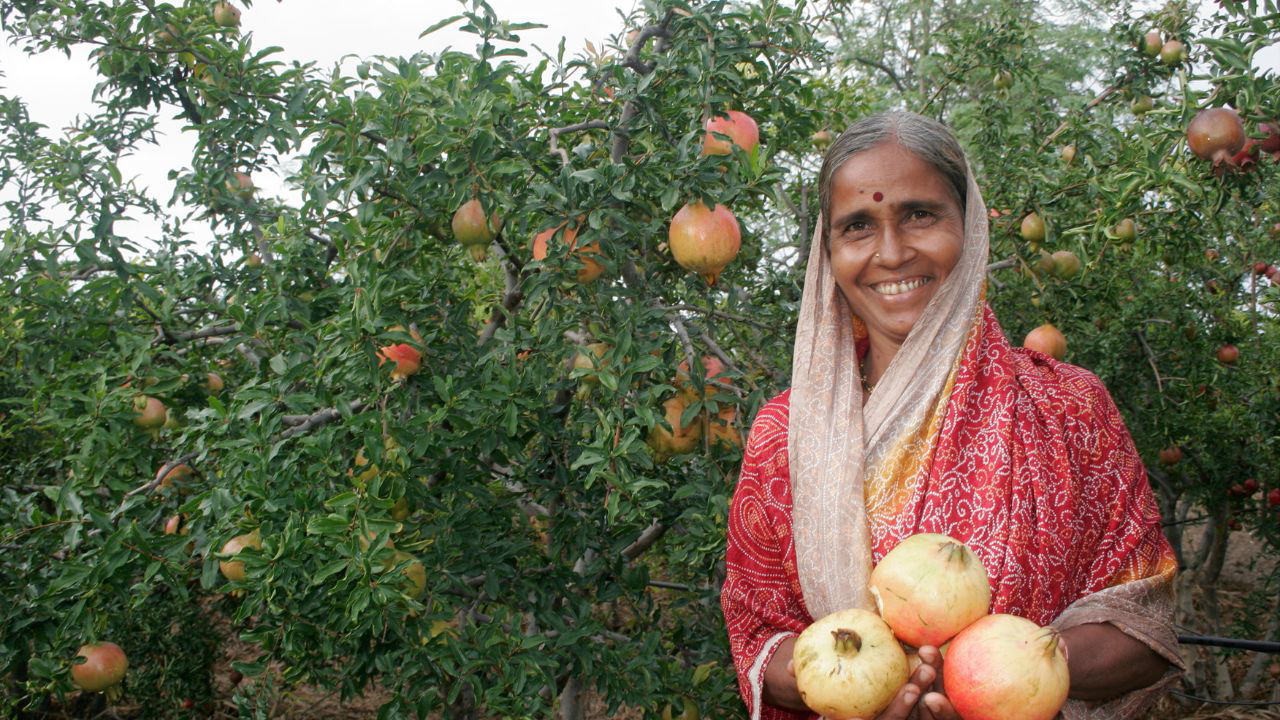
(833,440)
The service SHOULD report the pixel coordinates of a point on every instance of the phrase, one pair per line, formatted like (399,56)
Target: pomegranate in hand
(930,587)
(849,665)
(1004,667)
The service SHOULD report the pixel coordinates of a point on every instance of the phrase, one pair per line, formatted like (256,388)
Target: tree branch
(556,132)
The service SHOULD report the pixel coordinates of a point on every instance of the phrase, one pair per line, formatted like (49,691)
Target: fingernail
(934,704)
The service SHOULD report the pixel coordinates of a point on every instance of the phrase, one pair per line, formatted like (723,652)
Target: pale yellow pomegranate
(849,665)
(930,587)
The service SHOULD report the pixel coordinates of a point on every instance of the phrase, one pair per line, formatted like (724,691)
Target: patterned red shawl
(1029,464)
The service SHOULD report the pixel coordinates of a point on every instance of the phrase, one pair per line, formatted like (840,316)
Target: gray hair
(927,138)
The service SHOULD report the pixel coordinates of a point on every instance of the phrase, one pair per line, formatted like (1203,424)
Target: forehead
(890,169)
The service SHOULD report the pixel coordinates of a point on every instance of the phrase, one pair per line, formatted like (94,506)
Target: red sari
(1032,467)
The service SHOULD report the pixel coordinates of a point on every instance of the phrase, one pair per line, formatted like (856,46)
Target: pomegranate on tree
(213,383)
(1068,154)
(1003,667)
(677,440)
(738,126)
(591,268)
(930,587)
(1173,53)
(1126,230)
(241,185)
(1171,455)
(1215,134)
(590,358)
(1065,264)
(226,15)
(1048,340)
(104,666)
(1228,354)
(151,412)
(407,358)
(232,569)
(1151,44)
(849,665)
(1033,228)
(473,229)
(704,240)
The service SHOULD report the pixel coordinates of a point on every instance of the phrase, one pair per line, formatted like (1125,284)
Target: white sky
(57,89)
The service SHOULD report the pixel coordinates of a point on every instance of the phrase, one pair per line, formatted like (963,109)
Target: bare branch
(511,297)
(557,132)
(719,314)
(322,417)
(883,68)
(1151,358)
(651,535)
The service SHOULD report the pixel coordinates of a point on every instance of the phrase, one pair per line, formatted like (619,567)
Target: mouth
(899,287)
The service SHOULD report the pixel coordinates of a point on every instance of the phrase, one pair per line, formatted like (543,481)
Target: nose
(893,250)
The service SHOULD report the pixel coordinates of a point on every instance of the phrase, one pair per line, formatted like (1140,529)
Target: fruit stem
(1054,638)
(847,641)
(956,551)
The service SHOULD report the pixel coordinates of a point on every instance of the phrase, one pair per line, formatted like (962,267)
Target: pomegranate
(1004,667)
(703,240)
(591,268)
(415,572)
(1173,53)
(171,525)
(473,230)
(407,358)
(1212,254)
(1033,228)
(1151,44)
(233,570)
(241,185)
(1228,354)
(1048,340)
(226,15)
(1142,105)
(1126,230)
(1259,268)
(1068,154)
(151,412)
(104,666)
(821,139)
(1171,455)
(724,427)
(176,474)
(930,587)
(738,126)
(590,358)
(1215,134)
(1250,486)
(715,373)
(677,440)
(849,665)
(1003,80)
(1273,497)
(213,383)
(1065,264)
(1271,143)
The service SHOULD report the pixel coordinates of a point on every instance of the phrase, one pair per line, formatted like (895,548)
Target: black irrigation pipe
(1211,701)
(1261,646)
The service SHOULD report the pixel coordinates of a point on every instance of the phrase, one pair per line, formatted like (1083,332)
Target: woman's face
(895,233)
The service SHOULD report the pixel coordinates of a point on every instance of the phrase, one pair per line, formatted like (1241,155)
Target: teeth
(897,288)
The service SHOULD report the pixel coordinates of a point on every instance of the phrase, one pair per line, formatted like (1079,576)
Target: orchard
(451,430)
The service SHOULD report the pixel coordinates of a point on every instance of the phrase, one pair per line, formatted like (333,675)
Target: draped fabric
(1022,457)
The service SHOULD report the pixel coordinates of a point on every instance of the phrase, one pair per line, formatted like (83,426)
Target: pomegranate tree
(1216,134)
(1003,667)
(738,126)
(473,229)
(930,587)
(103,667)
(704,240)
(1048,340)
(849,665)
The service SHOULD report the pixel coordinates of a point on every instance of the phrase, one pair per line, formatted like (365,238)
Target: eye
(921,217)
(857,227)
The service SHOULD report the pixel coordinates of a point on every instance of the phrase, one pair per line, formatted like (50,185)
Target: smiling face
(896,232)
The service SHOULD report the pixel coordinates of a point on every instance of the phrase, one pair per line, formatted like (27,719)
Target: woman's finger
(939,707)
(903,703)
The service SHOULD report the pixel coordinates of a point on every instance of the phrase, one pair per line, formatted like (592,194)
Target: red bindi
(878,196)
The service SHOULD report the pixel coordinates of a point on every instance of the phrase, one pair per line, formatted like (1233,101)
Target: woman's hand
(934,705)
(780,686)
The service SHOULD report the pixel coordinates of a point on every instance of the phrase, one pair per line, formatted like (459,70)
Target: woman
(909,412)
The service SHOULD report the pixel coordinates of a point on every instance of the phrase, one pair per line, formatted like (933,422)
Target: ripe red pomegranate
(1259,268)
(1048,340)
(1273,497)
(473,229)
(1215,134)
(176,474)
(704,240)
(930,587)
(715,372)
(1171,455)
(104,666)
(1250,486)
(1228,354)
(1003,667)
(591,268)
(151,412)
(740,128)
(1271,143)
